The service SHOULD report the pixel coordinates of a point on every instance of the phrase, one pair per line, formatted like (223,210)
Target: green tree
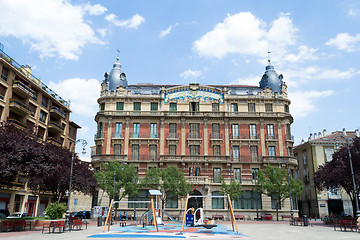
(234,189)
(125,179)
(169,181)
(273,182)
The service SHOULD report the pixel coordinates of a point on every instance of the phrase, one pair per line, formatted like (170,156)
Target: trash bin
(99,223)
(306,220)
(190,220)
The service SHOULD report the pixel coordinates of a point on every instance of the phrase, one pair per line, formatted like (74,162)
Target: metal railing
(32,77)
(17,123)
(21,105)
(54,141)
(24,87)
(55,108)
(216,136)
(52,123)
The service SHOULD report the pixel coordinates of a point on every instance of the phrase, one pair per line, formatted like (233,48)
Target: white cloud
(303,102)
(191,74)
(82,93)
(305,54)
(252,81)
(353,12)
(133,22)
(52,27)
(167,31)
(345,42)
(102,32)
(247,34)
(95,10)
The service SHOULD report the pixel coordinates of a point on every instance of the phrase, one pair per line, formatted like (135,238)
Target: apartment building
(310,154)
(210,132)
(26,102)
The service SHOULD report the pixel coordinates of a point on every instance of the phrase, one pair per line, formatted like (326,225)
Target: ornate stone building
(208,131)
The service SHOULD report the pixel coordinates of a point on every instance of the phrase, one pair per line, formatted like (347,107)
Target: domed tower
(271,79)
(116,77)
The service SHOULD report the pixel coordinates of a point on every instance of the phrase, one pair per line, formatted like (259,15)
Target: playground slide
(171,218)
(149,213)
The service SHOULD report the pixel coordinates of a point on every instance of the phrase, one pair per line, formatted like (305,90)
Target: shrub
(56,210)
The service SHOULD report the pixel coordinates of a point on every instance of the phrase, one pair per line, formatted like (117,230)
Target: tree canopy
(125,178)
(337,173)
(273,182)
(44,166)
(234,189)
(169,181)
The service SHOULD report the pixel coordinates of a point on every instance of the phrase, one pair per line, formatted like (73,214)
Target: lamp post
(83,143)
(122,168)
(352,174)
(288,177)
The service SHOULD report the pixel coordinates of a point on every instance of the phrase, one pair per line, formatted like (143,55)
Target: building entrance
(195,202)
(335,206)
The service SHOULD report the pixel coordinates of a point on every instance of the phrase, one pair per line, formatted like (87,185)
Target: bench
(240,217)
(84,222)
(298,221)
(19,225)
(52,226)
(266,217)
(343,224)
(218,217)
(7,225)
(76,223)
(285,216)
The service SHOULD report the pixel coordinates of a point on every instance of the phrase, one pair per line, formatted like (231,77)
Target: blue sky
(314,44)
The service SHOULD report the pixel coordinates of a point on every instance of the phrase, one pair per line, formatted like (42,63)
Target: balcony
(272,137)
(55,111)
(198,179)
(194,158)
(55,127)
(245,137)
(23,90)
(98,158)
(194,138)
(172,139)
(54,141)
(144,137)
(280,160)
(19,107)
(1,97)
(17,123)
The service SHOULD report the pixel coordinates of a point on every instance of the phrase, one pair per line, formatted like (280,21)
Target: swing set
(201,222)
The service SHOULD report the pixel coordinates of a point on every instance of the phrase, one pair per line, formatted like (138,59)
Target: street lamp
(288,176)
(83,143)
(352,174)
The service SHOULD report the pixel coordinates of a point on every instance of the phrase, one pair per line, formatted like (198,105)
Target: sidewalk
(249,230)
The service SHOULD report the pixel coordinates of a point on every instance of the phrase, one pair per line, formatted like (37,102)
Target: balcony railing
(57,111)
(17,123)
(54,141)
(216,136)
(191,158)
(98,135)
(143,135)
(24,88)
(271,136)
(172,136)
(117,135)
(244,136)
(22,107)
(6,57)
(56,126)
(194,136)
(197,114)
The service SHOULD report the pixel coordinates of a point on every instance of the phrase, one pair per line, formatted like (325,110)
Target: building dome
(116,77)
(271,79)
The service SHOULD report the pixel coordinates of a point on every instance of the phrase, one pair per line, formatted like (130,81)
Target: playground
(151,225)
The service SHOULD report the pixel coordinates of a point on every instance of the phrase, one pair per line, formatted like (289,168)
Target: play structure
(195,217)
(151,217)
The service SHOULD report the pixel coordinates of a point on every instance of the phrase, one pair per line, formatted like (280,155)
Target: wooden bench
(53,225)
(84,222)
(7,225)
(344,224)
(240,217)
(218,217)
(266,217)
(285,217)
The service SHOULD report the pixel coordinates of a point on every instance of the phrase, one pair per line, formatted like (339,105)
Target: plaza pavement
(248,229)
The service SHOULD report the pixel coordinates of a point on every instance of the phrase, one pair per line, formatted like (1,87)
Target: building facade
(317,151)
(210,132)
(26,102)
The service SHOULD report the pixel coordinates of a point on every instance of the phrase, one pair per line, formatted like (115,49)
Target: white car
(18,215)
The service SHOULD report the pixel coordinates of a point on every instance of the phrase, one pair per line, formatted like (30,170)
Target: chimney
(310,137)
(344,132)
(302,141)
(315,135)
(324,132)
(319,134)
(357,134)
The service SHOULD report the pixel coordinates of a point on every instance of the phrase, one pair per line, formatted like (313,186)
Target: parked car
(5,211)
(82,214)
(18,215)
(2,216)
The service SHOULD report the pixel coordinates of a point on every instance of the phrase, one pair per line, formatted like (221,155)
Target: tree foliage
(56,210)
(43,165)
(337,173)
(273,182)
(234,189)
(169,181)
(125,179)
